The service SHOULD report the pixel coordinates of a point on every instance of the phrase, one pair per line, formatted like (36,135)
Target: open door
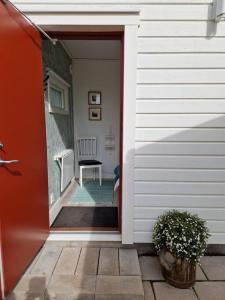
(23,182)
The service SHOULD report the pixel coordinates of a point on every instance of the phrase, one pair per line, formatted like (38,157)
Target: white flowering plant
(185,235)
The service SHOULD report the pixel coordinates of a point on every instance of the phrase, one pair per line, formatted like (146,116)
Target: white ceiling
(93,49)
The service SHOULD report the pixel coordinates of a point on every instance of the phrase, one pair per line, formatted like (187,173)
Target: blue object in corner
(117,173)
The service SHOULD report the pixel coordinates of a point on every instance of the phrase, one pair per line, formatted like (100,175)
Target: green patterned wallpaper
(59,128)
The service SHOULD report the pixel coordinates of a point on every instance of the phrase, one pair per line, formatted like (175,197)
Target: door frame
(117,36)
(127,117)
(68,17)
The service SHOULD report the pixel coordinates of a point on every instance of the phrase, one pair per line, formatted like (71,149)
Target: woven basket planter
(176,271)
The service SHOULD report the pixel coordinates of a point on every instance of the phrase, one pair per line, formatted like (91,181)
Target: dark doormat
(87,217)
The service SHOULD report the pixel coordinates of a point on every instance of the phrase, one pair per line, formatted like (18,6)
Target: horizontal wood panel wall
(180,112)
(180,121)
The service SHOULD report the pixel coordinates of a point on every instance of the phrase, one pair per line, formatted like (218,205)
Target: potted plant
(180,238)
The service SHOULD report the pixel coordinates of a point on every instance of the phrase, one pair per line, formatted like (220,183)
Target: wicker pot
(177,272)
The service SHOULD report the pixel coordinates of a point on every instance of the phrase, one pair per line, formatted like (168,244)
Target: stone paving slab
(26,296)
(46,261)
(150,268)
(34,261)
(210,290)
(57,244)
(200,276)
(164,291)
(214,267)
(88,261)
(148,292)
(71,287)
(119,288)
(30,287)
(108,262)
(68,261)
(129,264)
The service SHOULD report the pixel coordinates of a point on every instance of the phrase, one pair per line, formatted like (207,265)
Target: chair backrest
(87,147)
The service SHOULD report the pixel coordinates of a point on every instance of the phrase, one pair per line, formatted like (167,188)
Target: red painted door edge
(24,209)
(114,35)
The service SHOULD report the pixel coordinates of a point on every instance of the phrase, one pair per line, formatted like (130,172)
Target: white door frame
(67,17)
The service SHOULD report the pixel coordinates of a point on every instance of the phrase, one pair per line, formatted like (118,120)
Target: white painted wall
(104,76)
(180,107)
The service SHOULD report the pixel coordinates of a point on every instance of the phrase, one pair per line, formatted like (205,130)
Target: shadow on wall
(211,30)
(182,168)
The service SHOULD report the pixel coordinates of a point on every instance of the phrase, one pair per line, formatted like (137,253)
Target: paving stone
(129,263)
(67,262)
(210,290)
(119,288)
(88,261)
(150,268)
(26,296)
(71,287)
(93,244)
(30,287)
(46,261)
(148,292)
(200,276)
(57,244)
(214,267)
(108,262)
(164,291)
(34,261)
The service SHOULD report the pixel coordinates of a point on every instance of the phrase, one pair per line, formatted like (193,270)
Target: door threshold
(84,229)
(100,236)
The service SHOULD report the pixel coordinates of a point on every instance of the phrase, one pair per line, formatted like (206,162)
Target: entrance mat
(75,216)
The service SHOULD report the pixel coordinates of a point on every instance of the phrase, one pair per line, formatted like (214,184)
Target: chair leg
(94,171)
(100,175)
(81,179)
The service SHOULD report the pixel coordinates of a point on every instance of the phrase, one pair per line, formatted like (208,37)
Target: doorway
(87,69)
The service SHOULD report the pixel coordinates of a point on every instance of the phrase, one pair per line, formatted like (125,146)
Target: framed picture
(94,98)
(95,114)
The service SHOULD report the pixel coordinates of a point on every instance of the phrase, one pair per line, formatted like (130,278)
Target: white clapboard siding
(176,12)
(181,188)
(181,60)
(176,45)
(182,134)
(180,76)
(147,225)
(146,237)
(172,201)
(181,106)
(180,175)
(184,148)
(181,28)
(181,91)
(154,212)
(180,162)
(180,120)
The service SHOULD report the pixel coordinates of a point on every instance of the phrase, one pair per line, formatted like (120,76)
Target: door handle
(3,162)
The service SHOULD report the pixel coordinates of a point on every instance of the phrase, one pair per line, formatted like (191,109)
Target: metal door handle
(3,162)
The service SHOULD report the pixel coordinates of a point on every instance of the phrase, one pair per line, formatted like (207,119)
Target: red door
(23,185)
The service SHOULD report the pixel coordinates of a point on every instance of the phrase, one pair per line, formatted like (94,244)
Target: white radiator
(66,162)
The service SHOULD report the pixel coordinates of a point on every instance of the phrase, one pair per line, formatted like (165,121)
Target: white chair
(87,151)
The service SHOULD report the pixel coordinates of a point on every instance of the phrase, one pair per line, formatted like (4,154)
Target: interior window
(57,97)
(58,94)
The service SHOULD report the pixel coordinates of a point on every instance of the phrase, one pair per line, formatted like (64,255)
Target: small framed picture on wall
(94,98)
(95,114)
